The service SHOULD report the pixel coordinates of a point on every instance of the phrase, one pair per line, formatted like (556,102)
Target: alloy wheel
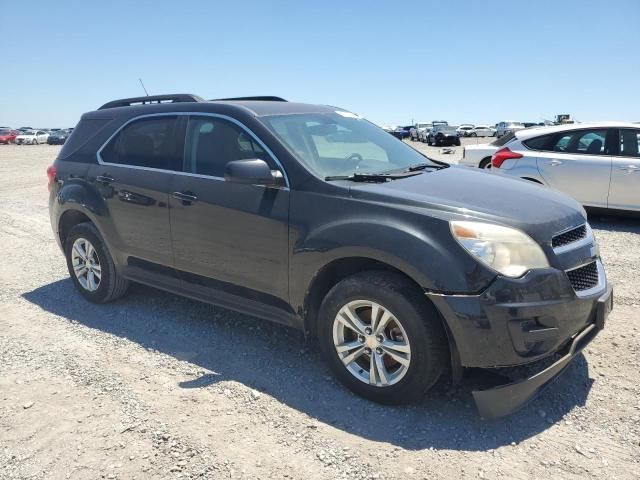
(86,264)
(371,343)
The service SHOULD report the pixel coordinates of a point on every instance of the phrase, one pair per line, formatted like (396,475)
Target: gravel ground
(158,386)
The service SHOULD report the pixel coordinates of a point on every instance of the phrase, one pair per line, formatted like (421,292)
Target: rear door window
(152,142)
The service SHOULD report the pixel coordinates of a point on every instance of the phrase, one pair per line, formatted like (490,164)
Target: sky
(392,62)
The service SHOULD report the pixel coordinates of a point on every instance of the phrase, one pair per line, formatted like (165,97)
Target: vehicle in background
(26,129)
(479,156)
(464,129)
(424,134)
(598,164)
(482,131)
(564,119)
(401,132)
(32,137)
(8,136)
(504,128)
(414,133)
(435,123)
(443,135)
(58,137)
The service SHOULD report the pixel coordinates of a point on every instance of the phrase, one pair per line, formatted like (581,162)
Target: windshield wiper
(423,166)
(372,177)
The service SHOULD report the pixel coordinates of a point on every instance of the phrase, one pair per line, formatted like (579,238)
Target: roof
(534,131)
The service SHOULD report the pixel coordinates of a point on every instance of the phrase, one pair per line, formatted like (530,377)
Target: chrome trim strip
(188,174)
(602,279)
(588,238)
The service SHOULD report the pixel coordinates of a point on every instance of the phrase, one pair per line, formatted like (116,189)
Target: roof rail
(264,98)
(174,98)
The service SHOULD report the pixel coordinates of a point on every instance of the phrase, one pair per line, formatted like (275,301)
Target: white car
(414,133)
(479,156)
(482,131)
(598,164)
(32,137)
(464,129)
(509,126)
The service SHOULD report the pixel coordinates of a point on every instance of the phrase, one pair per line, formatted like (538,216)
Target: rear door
(578,162)
(228,238)
(133,176)
(624,192)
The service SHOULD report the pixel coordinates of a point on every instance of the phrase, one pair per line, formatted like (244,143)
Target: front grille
(571,236)
(584,278)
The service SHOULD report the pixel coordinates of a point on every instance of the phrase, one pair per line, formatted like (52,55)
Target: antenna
(143,87)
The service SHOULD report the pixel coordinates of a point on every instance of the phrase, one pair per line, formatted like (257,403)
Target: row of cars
(31,136)
(598,164)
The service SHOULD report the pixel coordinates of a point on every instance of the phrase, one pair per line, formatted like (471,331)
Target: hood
(457,192)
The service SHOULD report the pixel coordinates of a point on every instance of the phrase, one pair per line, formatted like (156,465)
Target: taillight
(498,158)
(51,175)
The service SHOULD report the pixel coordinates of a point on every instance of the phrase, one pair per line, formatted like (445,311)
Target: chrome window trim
(588,238)
(189,174)
(602,279)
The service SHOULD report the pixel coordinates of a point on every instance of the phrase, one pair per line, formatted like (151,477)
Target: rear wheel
(34,141)
(381,338)
(91,267)
(485,163)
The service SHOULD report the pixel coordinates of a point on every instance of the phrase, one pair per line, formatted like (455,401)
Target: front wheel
(485,164)
(34,141)
(381,337)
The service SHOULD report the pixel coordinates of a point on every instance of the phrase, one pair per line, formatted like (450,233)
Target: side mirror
(253,172)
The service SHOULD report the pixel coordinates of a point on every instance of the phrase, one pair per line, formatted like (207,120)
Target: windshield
(28,132)
(5,132)
(341,143)
(514,124)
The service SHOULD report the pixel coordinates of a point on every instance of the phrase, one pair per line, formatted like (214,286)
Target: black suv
(443,135)
(313,217)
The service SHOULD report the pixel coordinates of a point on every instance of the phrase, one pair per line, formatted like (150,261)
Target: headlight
(505,250)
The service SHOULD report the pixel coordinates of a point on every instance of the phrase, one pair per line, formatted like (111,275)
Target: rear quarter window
(538,143)
(81,134)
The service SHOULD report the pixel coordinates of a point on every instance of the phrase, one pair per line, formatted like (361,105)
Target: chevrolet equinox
(311,216)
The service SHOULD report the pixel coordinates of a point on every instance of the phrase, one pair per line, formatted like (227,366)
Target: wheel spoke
(353,356)
(377,369)
(380,326)
(375,313)
(402,347)
(91,281)
(348,346)
(79,268)
(90,251)
(401,358)
(351,320)
(96,273)
(79,250)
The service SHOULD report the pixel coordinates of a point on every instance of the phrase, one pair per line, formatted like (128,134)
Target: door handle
(630,168)
(104,179)
(555,163)
(187,198)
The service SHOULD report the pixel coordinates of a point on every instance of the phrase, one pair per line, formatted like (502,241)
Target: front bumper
(506,399)
(519,322)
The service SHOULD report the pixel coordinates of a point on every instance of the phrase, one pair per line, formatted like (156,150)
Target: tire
(111,284)
(34,142)
(485,163)
(473,134)
(412,317)
(457,142)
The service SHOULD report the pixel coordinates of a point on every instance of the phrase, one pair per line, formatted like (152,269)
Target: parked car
(8,136)
(504,128)
(479,156)
(414,132)
(26,129)
(58,137)
(443,135)
(598,164)
(401,132)
(423,135)
(482,131)
(311,216)
(464,129)
(32,137)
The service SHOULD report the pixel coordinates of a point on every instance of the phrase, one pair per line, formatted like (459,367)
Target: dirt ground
(158,386)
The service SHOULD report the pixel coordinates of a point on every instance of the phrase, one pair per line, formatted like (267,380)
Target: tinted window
(499,142)
(211,143)
(149,142)
(630,143)
(539,143)
(590,142)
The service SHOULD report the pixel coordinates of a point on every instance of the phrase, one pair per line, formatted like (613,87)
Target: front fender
(429,255)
